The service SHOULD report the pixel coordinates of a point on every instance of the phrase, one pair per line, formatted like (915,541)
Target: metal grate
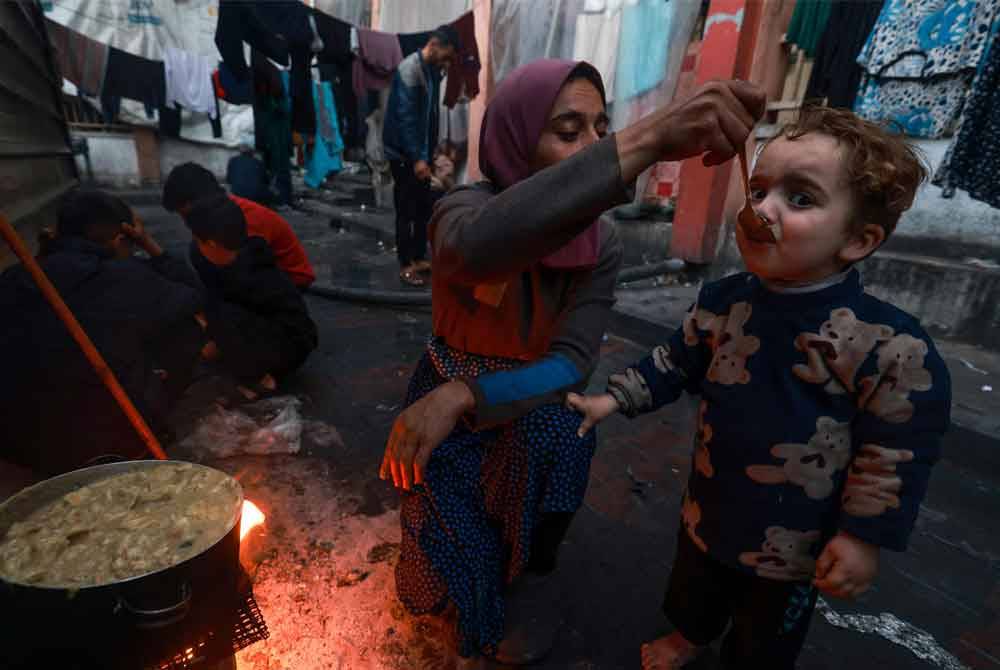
(209,647)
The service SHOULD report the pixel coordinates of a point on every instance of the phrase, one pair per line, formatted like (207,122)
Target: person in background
(139,313)
(189,182)
(822,408)
(410,135)
(246,174)
(257,322)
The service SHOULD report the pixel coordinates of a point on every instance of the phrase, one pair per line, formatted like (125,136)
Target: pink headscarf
(512,126)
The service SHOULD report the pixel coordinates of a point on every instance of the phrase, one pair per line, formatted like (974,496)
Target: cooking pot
(101,618)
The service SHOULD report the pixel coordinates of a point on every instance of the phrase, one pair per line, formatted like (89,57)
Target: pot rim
(96,473)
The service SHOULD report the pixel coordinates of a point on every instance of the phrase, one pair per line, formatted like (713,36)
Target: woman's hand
(594,408)
(847,566)
(420,429)
(715,122)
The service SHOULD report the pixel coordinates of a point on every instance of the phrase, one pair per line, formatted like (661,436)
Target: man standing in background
(410,137)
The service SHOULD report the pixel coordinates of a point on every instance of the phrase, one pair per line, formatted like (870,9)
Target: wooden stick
(89,350)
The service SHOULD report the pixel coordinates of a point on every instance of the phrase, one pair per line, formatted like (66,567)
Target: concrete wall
(955,228)
(173,152)
(112,157)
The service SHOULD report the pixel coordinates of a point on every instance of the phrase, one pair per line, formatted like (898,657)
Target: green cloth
(808,23)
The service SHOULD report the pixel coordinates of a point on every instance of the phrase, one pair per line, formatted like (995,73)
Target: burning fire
(252,517)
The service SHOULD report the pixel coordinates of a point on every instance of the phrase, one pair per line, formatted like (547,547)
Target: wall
(113,158)
(36,162)
(173,152)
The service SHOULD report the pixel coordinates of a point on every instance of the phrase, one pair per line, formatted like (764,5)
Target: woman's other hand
(594,408)
(420,429)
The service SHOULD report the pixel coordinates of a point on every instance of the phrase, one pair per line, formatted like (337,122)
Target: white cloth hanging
(189,81)
(596,42)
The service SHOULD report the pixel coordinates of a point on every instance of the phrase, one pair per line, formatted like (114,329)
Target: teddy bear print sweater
(822,410)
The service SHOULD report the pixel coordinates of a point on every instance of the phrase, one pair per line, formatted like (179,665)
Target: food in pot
(120,527)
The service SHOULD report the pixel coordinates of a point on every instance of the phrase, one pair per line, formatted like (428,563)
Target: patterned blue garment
(919,61)
(972,162)
(467,531)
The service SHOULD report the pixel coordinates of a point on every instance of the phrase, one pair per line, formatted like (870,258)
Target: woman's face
(576,121)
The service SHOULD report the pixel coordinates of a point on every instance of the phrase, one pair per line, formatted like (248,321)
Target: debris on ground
(384,553)
(352,577)
(266,427)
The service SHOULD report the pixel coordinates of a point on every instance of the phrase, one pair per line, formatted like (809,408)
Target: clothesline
(477,4)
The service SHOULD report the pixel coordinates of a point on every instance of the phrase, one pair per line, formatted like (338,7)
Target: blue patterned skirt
(467,531)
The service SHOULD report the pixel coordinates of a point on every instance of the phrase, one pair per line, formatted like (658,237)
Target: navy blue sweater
(821,411)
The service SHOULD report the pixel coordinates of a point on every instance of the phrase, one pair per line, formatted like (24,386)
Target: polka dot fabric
(467,531)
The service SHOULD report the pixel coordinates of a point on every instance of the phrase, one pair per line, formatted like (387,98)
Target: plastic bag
(270,426)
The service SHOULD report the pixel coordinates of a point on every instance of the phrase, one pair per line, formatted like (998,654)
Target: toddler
(822,408)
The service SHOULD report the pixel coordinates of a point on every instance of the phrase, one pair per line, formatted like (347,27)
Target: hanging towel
(81,60)
(596,41)
(836,74)
(378,56)
(808,23)
(135,78)
(189,81)
(643,47)
(463,75)
(326,155)
(972,162)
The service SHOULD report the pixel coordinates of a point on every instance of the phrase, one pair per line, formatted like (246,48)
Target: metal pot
(99,616)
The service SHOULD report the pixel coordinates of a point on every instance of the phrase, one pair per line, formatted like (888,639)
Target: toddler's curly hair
(883,170)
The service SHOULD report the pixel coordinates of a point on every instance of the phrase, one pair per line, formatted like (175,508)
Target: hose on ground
(423,298)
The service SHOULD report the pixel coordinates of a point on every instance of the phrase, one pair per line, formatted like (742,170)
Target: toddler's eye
(757,194)
(568,137)
(800,200)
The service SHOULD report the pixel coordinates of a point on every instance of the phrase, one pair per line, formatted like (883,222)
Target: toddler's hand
(847,566)
(594,408)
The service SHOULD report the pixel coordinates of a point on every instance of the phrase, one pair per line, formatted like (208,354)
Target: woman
(524,274)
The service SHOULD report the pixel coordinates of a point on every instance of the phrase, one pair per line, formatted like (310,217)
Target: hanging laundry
(972,162)
(340,79)
(596,41)
(410,42)
(132,77)
(326,155)
(808,23)
(238,23)
(836,74)
(81,60)
(189,81)
(463,75)
(336,36)
(644,46)
(378,56)
(233,90)
(919,61)
(272,124)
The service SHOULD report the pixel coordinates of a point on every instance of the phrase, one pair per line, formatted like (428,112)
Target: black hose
(423,298)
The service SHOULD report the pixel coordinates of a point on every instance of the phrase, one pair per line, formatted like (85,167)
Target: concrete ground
(323,561)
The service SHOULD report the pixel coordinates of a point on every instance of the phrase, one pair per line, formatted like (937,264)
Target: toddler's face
(800,185)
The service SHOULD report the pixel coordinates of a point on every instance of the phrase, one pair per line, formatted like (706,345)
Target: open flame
(252,517)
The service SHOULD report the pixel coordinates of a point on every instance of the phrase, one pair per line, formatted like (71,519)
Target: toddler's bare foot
(671,652)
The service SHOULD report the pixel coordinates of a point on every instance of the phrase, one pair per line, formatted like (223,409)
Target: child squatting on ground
(822,408)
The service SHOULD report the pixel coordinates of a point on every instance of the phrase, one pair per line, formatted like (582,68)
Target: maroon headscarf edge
(512,126)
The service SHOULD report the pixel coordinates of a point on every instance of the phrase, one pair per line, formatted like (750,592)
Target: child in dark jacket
(822,407)
(140,314)
(256,319)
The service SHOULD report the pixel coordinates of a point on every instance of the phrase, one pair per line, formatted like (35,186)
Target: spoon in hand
(754,224)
